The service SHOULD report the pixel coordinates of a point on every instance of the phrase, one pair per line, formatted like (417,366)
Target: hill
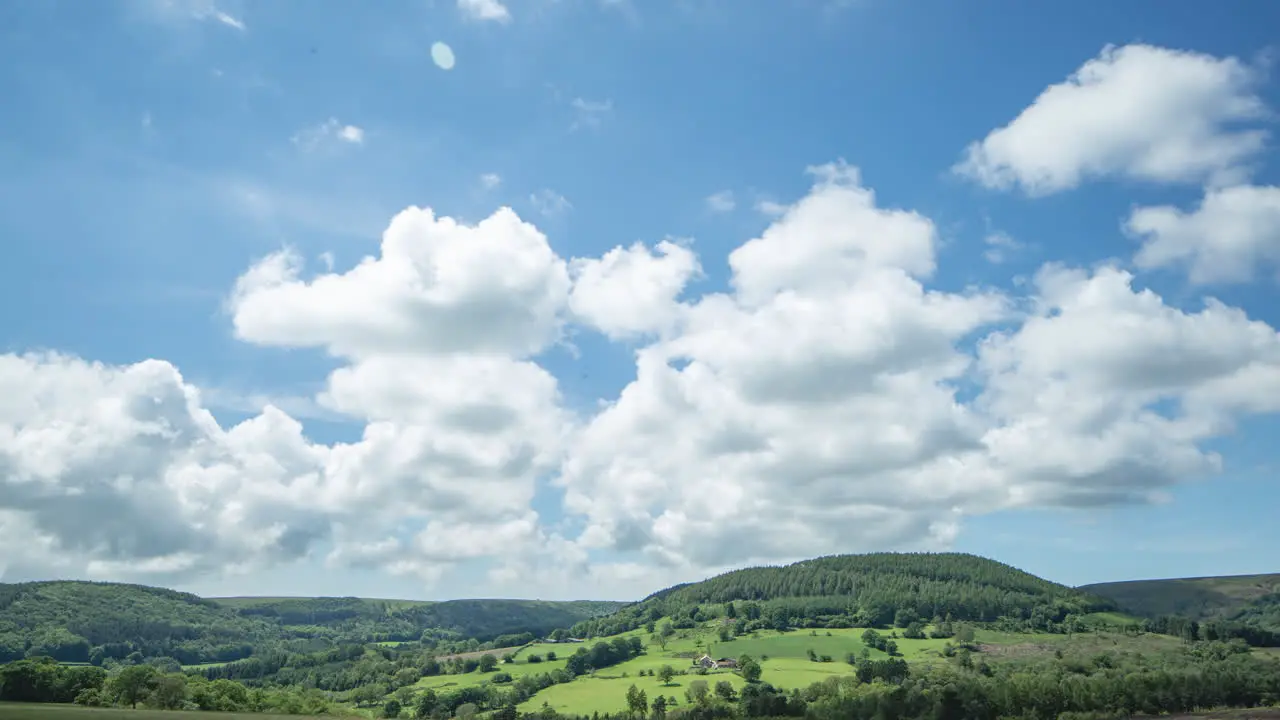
(1253,599)
(75,621)
(864,591)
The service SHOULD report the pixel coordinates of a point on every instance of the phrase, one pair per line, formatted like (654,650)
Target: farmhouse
(710,663)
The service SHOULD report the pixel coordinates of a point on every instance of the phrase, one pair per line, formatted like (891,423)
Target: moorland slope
(1250,599)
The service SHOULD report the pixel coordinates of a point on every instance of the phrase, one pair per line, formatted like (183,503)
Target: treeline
(298,683)
(345,619)
(98,622)
(1211,630)
(1262,612)
(873,590)
(45,681)
(372,673)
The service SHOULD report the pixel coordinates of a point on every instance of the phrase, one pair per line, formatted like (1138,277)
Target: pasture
(784,660)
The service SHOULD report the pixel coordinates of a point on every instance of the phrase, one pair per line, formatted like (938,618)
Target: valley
(822,633)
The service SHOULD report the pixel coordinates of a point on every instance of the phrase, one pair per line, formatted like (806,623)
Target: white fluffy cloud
(826,398)
(632,291)
(1232,234)
(1138,111)
(120,470)
(1074,394)
(439,286)
(816,407)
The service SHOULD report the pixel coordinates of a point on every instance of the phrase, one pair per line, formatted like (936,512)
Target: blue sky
(157,150)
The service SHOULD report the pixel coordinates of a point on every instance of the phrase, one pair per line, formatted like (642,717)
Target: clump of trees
(43,680)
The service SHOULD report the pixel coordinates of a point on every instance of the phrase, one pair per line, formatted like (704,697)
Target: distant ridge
(1246,598)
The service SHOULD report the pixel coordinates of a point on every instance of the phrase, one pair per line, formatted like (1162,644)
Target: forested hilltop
(866,591)
(74,621)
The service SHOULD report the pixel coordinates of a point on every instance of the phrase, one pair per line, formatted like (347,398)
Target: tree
(170,692)
(665,673)
(724,690)
(664,634)
(551,656)
(391,709)
(426,703)
(488,663)
(749,669)
(659,708)
(133,684)
(697,692)
(367,694)
(465,711)
(637,701)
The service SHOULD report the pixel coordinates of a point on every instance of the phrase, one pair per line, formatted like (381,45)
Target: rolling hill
(866,590)
(75,621)
(1253,599)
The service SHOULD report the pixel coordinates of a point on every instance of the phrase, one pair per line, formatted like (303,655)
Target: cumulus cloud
(827,398)
(816,406)
(1074,395)
(1233,233)
(121,470)
(632,291)
(805,410)
(1138,112)
(438,286)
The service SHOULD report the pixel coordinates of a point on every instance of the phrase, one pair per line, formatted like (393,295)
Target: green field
(21,711)
(783,657)
(1111,618)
